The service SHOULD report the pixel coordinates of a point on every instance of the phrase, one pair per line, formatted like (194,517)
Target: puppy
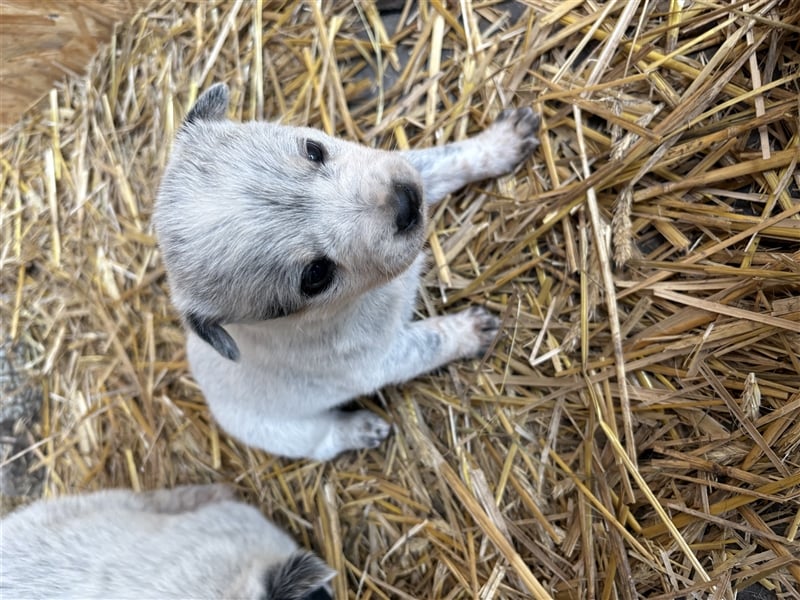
(294,259)
(189,542)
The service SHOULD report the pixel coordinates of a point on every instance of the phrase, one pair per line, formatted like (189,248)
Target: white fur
(242,213)
(189,542)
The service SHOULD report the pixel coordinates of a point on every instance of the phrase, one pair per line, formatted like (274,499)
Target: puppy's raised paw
(512,137)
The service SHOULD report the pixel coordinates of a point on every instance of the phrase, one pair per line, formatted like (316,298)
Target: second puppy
(189,542)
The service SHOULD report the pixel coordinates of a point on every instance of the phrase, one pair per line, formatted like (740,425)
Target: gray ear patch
(212,105)
(212,333)
(300,577)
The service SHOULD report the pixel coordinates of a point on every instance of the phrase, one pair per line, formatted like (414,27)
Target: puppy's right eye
(317,276)
(315,152)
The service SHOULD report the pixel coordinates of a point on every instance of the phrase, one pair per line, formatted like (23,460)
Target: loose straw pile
(635,431)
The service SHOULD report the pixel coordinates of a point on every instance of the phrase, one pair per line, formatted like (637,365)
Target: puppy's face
(261,221)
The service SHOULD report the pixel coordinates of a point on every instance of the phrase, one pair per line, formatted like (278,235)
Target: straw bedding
(634,432)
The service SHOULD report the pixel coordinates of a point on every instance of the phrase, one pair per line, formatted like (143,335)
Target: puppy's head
(261,221)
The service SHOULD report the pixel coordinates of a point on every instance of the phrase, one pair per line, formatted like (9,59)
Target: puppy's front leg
(423,346)
(419,347)
(494,152)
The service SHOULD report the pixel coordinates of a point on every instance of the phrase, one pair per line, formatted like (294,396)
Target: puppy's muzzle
(406,202)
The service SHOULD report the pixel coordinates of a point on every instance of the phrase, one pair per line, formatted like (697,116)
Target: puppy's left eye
(317,276)
(315,152)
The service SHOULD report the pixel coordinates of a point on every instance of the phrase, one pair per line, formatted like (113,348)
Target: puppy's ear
(212,105)
(301,577)
(212,332)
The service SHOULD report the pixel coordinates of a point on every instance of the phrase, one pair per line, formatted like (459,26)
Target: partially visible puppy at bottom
(189,542)
(294,258)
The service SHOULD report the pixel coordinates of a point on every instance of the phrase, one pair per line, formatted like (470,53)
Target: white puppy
(189,542)
(294,259)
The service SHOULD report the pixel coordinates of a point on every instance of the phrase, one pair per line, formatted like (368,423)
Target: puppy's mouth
(406,201)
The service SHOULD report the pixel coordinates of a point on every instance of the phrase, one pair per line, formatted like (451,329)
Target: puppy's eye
(317,276)
(315,152)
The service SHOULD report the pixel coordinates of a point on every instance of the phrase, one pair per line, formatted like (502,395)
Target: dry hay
(634,432)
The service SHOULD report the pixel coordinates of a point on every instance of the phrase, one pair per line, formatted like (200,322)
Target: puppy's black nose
(406,201)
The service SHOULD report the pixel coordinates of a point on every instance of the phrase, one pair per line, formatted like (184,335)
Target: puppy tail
(212,105)
(302,576)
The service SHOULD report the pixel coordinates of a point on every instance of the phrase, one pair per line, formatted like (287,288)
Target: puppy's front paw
(485,327)
(512,138)
(472,330)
